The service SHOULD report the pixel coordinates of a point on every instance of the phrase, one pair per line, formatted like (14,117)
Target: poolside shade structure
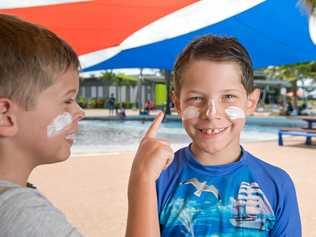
(150,33)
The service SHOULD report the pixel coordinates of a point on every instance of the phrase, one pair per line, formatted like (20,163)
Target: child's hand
(153,155)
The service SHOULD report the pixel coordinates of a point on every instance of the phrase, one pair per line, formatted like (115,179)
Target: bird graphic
(202,187)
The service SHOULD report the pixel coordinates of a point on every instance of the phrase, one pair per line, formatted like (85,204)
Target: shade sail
(150,33)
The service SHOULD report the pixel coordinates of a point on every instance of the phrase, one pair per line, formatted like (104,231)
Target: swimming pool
(113,136)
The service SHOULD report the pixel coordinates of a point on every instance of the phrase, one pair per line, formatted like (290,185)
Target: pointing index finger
(152,130)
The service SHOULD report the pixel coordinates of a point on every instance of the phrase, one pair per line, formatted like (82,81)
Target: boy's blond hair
(216,49)
(30,59)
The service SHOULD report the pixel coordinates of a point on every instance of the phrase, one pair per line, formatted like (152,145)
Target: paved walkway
(92,190)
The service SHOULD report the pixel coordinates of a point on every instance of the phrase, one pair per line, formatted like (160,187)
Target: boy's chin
(58,158)
(212,149)
(215,147)
(63,157)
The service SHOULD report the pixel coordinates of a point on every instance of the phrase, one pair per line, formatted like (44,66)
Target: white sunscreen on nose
(211,106)
(190,112)
(59,124)
(234,112)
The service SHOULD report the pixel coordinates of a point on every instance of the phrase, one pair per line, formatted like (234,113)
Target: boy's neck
(13,166)
(227,155)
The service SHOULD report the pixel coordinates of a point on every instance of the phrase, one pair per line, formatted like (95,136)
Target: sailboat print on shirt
(200,208)
(252,209)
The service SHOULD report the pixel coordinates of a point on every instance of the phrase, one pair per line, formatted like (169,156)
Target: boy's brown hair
(216,49)
(30,59)
(310,6)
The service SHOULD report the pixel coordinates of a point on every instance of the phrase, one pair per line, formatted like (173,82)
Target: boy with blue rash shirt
(245,198)
(213,187)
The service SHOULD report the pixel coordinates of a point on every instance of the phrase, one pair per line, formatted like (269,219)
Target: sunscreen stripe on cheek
(190,112)
(234,112)
(59,124)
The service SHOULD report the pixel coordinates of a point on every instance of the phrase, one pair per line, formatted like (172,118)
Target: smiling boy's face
(45,133)
(213,104)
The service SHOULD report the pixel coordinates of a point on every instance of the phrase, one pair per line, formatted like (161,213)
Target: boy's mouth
(70,137)
(212,131)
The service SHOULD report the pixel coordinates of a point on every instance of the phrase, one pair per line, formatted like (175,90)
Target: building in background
(135,89)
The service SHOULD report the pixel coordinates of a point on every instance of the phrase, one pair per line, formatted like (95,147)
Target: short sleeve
(30,214)
(288,223)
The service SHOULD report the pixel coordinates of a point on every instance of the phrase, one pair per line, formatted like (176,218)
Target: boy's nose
(211,110)
(79,114)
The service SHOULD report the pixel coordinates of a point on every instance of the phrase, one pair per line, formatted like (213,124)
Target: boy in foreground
(39,116)
(213,187)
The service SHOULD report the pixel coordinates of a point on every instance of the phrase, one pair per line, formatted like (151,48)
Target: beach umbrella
(150,33)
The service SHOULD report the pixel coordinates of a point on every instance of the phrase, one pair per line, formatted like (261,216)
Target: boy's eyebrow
(71,91)
(225,91)
(195,91)
(229,90)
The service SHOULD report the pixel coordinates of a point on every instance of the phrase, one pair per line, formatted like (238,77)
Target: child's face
(45,133)
(213,104)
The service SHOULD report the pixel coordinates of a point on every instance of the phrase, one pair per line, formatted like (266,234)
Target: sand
(91,189)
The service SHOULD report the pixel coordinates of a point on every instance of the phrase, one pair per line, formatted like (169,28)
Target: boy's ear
(8,123)
(252,101)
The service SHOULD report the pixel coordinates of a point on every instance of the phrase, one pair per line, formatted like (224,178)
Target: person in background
(111,104)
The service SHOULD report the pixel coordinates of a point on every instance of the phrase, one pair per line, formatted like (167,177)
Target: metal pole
(139,92)
(168,79)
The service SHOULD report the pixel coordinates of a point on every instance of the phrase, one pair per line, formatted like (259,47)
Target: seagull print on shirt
(202,187)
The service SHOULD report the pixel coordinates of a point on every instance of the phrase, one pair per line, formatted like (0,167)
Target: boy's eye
(229,98)
(69,101)
(196,98)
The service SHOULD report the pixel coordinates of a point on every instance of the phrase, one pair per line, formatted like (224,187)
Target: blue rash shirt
(249,198)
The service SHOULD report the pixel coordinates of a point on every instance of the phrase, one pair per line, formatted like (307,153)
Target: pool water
(113,136)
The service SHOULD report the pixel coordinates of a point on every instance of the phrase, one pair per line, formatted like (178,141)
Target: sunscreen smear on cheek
(59,124)
(235,112)
(190,112)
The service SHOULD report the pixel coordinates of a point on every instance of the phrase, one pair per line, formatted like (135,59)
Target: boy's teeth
(212,131)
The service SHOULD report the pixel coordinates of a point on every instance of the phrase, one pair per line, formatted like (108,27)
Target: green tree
(108,76)
(293,73)
(126,80)
(118,80)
